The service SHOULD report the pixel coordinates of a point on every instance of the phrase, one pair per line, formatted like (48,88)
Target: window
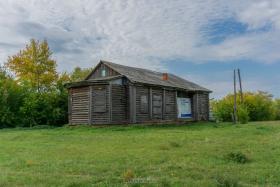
(99,100)
(169,104)
(144,104)
(157,104)
(103,73)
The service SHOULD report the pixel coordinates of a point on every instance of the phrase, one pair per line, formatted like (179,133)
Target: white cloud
(81,32)
(140,33)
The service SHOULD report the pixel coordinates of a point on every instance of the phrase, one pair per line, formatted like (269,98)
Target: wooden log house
(117,94)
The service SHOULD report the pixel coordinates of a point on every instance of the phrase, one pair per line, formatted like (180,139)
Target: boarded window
(99,100)
(169,104)
(169,108)
(144,106)
(157,104)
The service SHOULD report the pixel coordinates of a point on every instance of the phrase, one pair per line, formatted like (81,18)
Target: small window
(103,73)
(144,104)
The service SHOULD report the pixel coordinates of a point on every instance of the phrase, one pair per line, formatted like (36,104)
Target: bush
(11,97)
(242,114)
(259,106)
(48,108)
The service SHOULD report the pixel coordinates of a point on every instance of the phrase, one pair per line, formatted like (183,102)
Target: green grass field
(201,154)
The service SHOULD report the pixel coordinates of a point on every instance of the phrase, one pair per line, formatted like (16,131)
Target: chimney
(165,76)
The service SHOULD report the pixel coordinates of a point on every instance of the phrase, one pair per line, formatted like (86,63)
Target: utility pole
(240,85)
(234,107)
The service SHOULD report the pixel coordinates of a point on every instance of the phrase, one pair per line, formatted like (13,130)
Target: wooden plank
(90,106)
(97,73)
(69,106)
(110,102)
(163,104)
(79,106)
(176,105)
(197,107)
(132,104)
(151,103)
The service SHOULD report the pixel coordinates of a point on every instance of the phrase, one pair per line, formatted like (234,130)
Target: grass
(201,154)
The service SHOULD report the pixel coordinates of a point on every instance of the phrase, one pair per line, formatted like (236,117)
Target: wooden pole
(234,107)
(240,85)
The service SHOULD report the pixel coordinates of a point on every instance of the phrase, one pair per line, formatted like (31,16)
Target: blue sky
(202,41)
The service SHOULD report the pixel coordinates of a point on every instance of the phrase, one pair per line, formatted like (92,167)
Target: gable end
(101,71)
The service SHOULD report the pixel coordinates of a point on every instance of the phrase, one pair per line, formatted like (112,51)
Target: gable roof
(139,75)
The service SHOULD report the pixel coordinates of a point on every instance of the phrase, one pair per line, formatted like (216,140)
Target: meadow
(198,154)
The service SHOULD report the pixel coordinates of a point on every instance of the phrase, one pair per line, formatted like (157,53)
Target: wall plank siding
(132,103)
(141,115)
(79,105)
(170,112)
(98,72)
(201,106)
(119,104)
(100,115)
(157,94)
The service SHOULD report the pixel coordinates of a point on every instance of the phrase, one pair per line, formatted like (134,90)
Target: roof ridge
(104,61)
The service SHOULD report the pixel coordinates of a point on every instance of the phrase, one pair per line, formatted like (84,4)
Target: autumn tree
(34,65)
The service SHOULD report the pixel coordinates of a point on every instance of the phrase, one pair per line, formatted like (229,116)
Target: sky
(201,40)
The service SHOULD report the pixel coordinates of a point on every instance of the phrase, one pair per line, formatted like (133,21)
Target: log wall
(170,111)
(142,115)
(112,104)
(201,106)
(79,105)
(100,116)
(119,104)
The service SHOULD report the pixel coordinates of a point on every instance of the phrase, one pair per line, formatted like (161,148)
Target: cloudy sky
(201,40)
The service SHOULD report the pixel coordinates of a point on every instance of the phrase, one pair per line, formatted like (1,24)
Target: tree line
(32,91)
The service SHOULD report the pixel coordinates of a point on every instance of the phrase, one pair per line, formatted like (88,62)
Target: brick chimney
(165,76)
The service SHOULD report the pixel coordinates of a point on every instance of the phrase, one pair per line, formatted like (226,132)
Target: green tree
(11,97)
(277,108)
(80,73)
(34,66)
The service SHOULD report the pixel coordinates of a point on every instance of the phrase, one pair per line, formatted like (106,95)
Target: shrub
(48,108)
(259,105)
(237,157)
(243,114)
(11,97)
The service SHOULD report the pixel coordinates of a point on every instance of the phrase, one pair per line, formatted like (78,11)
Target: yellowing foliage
(34,66)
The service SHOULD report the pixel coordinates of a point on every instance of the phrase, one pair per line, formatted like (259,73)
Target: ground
(200,154)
